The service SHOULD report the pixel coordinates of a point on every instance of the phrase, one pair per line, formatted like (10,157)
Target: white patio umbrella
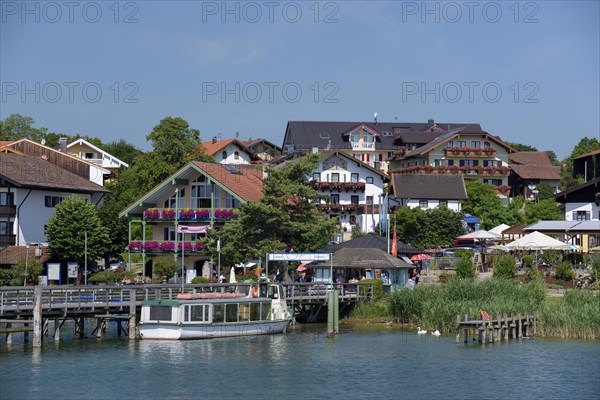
(206,270)
(499,229)
(537,241)
(232,276)
(481,234)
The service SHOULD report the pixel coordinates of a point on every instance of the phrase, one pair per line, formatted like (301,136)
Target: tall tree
(428,229)
(123,150)
(66,231)
(17,126)
(585,145)
(174,141)
(521,147)
(486,205)
(285,217)
(543,210)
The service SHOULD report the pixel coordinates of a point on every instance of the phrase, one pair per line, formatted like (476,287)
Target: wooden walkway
(21,312)
(495,330)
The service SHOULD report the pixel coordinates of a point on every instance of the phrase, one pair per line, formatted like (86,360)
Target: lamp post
(85,234)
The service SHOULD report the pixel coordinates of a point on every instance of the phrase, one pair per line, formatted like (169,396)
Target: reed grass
(575,315)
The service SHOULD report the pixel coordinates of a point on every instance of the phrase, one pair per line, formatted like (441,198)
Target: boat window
(196,313)
(244,312)
(218,312)
(160,313)
(231,312)
(254,312)
(266,311)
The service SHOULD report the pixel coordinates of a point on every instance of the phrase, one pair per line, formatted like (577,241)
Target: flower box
(151,245)
(135,246)
(167,246)
(198,246)
(187,246)
(203,214)
(225,214)
(151,213)
(187,214)
(168,213)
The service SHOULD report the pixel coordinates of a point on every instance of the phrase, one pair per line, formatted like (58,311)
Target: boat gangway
(28,308)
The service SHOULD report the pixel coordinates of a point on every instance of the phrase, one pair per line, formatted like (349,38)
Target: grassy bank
(576,315)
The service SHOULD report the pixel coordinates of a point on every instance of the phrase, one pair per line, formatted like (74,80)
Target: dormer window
(224,155)
(324,135)
(236,155)
(354,137)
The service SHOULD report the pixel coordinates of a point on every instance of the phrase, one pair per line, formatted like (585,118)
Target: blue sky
(527,71)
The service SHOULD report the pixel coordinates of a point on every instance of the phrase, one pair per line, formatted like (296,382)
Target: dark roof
(429,186)
(515,230)
(530,157)
(532,171)
(34,172)
(305,135)
(11,255)
(326,154)
(587,189)
(591,153)
(364,258)
(371,241)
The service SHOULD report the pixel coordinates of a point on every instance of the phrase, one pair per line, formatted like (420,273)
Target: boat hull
(166,331)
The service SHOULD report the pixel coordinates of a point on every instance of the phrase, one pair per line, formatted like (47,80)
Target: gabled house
(468,151)
(587,165)
(353,191)
(230,151)
(30,189)
(370,142)
(581,202)
(530,168)
(182,207)
(60,158)
(83,149)
(262,148)
(429,190)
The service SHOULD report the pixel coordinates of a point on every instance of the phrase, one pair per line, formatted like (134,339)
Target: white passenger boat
(259,309)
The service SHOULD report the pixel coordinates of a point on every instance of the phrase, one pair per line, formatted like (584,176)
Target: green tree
(65,231)
(521,147)
(544,210)
(164,266)
(545,191)
(585,145)
(486,205)
(285,217)
(34,269)
(124,151)
(427,229)
(17,126)
(175,142)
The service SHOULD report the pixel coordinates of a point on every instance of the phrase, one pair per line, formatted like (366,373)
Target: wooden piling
(37,316)
(336,312)
(132,314)
(330,310)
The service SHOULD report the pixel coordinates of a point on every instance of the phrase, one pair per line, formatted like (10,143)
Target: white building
(429,190)
(83,149)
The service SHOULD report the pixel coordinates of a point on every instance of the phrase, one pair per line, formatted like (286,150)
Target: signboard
(190,275)
(298,256)
(53,271)
(72,269)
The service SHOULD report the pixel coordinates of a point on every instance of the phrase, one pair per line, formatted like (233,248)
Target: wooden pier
(497,329)
(31,309)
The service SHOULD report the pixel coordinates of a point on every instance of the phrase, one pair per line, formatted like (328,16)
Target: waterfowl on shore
(436,333)
(420,331)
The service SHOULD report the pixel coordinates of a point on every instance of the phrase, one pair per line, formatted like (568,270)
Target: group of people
(415,275)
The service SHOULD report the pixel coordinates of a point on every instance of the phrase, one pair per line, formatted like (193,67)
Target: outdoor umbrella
(302,267)
(232,276)
(481,234)
(537,241)
(420,257)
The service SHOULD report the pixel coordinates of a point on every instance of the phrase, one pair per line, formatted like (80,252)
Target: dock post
(132,312)
(336,312)
(457,328)
(9,337)
(506,327)
(467,329)
(56,329)
(519,326)
(513,327)
(330,300)
(37,316)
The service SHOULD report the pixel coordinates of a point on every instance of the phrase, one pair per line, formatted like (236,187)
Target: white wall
(97,175)
(33,215)
(590,207)
(244,158)
(453,205)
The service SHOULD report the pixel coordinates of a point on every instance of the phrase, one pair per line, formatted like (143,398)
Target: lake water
(364,361)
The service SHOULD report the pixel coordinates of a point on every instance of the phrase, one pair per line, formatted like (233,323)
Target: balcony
(339,186)
(453,169)
(470,152)
(189,215)
(154,247)
(8,211)
(7,240)
(357,209)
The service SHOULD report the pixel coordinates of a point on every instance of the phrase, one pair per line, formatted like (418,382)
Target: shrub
(377,288)
(464,266)
(551,256)
(165,266)
(200,279)
(564,272)
(596,268)
(534,273)
(505,267)
(527,261)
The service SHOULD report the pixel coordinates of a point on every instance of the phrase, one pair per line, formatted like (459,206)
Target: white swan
(421,332)
(436,333)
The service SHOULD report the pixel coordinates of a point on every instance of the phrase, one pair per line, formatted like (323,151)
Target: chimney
(63,144)
(214,139)
(430,121)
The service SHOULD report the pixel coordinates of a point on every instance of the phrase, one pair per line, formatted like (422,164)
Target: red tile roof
(213,148)
(591,153)
(532,171)
(246,184)
(530,157)
(11,255)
